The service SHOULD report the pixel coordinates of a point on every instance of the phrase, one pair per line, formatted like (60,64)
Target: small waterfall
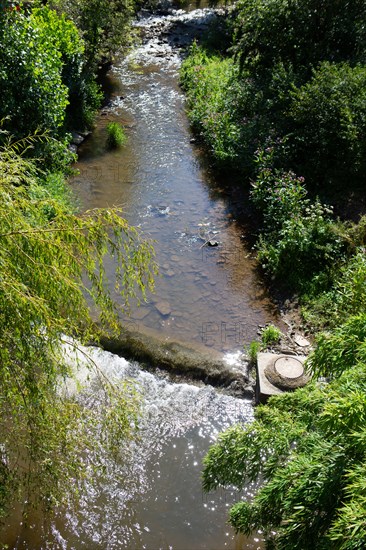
(151,497)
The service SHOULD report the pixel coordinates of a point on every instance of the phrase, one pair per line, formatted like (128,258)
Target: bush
(304,252)
(207,80)
(235,112)
(340,350)
(44,81)
(33,94)
(299,33)
(307,449)
(327,121)
(300,243)
(116,136)
(103,23)
(347,296)
(278,195)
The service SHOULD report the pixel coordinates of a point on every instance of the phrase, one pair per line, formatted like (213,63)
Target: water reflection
(208,295)
(151,496)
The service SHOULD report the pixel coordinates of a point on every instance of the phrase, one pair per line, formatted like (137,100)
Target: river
(208,295)
(151,498)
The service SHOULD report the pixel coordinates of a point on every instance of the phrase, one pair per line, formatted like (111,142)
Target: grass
(116,136)
(253,350)
(271,335)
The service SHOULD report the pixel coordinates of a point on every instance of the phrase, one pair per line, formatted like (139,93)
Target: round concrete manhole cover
(289,367)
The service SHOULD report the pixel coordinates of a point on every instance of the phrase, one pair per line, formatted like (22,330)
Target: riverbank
(285,105)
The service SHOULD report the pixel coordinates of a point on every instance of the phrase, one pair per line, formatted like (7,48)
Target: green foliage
(299,33)
(52,187)
(207,80)
(346,297)
(33,94)
(253,350)
(295,83)
(308,448)
(340,350)
(300,243)
(116,136)
(44,80)
(230,109)
(270,335)
(327,119)
(51,261)
(292,100)
(304,252)
(103,23)
(84,94)
(277,195)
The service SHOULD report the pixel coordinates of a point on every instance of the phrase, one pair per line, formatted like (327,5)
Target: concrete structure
(277,373)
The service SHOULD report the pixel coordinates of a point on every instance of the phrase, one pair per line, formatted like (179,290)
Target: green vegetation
(300,244)
(279,108)
(116,136)
(270,335)
(284,106)
(104,25)
(308,450)
(34,96)
(52,260)
(253,350)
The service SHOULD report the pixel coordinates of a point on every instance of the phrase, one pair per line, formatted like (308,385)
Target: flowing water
(208,295)
(151,498)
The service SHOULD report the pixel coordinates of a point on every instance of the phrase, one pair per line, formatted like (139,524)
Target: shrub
(33,94)
(346,297)
(340,350)
(327,121)
(278,195)
(116,135)
(307,450)
(305,251)
(235,112)
(206,80)
(300,243)
(103,23)
(299,33)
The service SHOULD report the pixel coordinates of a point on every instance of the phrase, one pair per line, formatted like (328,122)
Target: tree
(51,261)
(103,24)
(299,33)
(45,83)
(32,92)
(326,120)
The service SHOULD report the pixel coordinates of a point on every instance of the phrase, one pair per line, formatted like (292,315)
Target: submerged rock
(163,308)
